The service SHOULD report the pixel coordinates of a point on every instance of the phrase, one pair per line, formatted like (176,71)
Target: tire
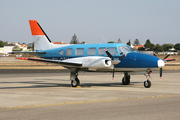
(75,82)
(126,81)
(147,84)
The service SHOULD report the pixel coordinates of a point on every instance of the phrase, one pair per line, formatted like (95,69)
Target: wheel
(75,82)
(147,84)
(126,81)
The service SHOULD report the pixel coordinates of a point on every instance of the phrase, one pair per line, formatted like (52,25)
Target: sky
(157,20)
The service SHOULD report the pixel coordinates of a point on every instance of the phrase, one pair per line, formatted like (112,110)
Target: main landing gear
(74,77)
(126,79)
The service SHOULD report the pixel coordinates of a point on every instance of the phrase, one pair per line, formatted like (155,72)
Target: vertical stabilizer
(41,40)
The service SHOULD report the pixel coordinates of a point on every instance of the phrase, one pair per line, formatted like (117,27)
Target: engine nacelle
(97,62)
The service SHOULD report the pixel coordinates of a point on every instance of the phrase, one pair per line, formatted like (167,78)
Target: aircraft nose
(160,63)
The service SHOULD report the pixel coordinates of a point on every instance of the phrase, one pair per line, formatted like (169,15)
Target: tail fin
(41,40)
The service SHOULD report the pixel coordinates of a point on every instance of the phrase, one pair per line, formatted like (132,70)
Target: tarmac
(44,87)
(47,94)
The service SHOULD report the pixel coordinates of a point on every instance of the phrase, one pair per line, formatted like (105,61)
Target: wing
(67,64)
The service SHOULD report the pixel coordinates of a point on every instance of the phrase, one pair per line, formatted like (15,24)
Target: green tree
(111,42)
(33,46)
(152,47)
(177,46)
(148,45)
(74,40)
(166,47)
(136,42)
(16,48)
(83,42)
(119,41)
(2,44)
(158,48)
(141,49)
(129,43)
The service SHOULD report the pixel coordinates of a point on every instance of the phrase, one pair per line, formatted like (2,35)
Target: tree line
(148,46)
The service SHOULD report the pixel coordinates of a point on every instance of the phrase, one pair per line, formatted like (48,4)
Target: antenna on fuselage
(104,39)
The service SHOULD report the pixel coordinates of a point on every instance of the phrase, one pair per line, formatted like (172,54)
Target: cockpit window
(113,50)
(124,49)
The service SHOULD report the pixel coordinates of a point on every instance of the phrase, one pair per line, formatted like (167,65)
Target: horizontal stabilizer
(26,52)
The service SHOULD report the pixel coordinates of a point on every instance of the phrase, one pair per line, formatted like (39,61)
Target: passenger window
(61,52)
(113,50)
(91,51)
(101,51)
(69,51)
(79,51)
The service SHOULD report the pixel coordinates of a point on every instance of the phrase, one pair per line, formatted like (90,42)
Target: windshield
(124,49)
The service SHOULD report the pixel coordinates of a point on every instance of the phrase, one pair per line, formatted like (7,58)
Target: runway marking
(69,103)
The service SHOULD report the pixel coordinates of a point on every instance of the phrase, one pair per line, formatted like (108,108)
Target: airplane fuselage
(94,57)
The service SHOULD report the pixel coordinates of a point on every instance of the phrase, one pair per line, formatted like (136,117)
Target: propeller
(167,56)
(114,61)
(165,60)
(109,54)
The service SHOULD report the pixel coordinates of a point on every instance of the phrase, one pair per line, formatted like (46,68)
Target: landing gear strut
(147,83)
(74,77)
(126,79)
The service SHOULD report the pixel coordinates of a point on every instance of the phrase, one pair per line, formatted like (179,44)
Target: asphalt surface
(47,94)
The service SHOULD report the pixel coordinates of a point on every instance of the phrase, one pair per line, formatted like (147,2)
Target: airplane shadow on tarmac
(42,84)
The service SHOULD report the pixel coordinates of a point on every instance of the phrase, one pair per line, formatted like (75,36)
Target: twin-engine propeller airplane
(114,57)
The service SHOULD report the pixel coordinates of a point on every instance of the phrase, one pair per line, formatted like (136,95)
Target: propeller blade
(171,59)
(154,54)
(109,54)
(167,56)
(121,57)
(113,75)
(160,73)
